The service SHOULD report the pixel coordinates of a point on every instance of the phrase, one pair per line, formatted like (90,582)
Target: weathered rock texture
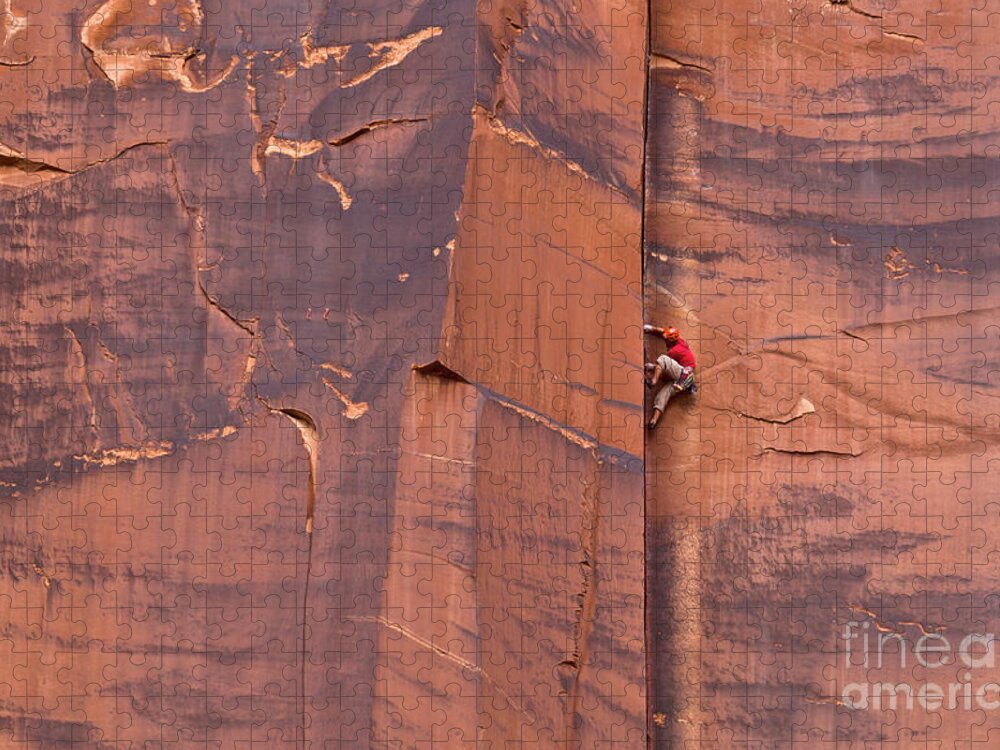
(321,371)
(321,374)
(822,222)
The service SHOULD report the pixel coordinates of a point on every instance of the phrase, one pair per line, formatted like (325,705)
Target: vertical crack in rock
(503,32)
(586,612)
(310,439)
(306,426)
(256,152)
(139,426)
(84,382)
(264,133)
(199,242)
(647,623)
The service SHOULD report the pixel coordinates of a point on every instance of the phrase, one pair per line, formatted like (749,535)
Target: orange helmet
(671,334)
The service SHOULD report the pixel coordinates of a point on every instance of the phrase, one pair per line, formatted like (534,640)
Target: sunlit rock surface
(323,413)
(821,223)
(321,374)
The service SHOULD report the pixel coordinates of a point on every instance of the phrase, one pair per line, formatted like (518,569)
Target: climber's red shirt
(681,354)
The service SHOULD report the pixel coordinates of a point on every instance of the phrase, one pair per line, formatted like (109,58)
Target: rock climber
(675,370)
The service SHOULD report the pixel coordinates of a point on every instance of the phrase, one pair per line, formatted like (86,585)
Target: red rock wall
(234,511)
(514,610)
(322,406)
(821,223)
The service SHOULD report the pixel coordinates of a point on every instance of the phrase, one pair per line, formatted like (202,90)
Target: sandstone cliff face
(821,220)
(322,399)
(322,415)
